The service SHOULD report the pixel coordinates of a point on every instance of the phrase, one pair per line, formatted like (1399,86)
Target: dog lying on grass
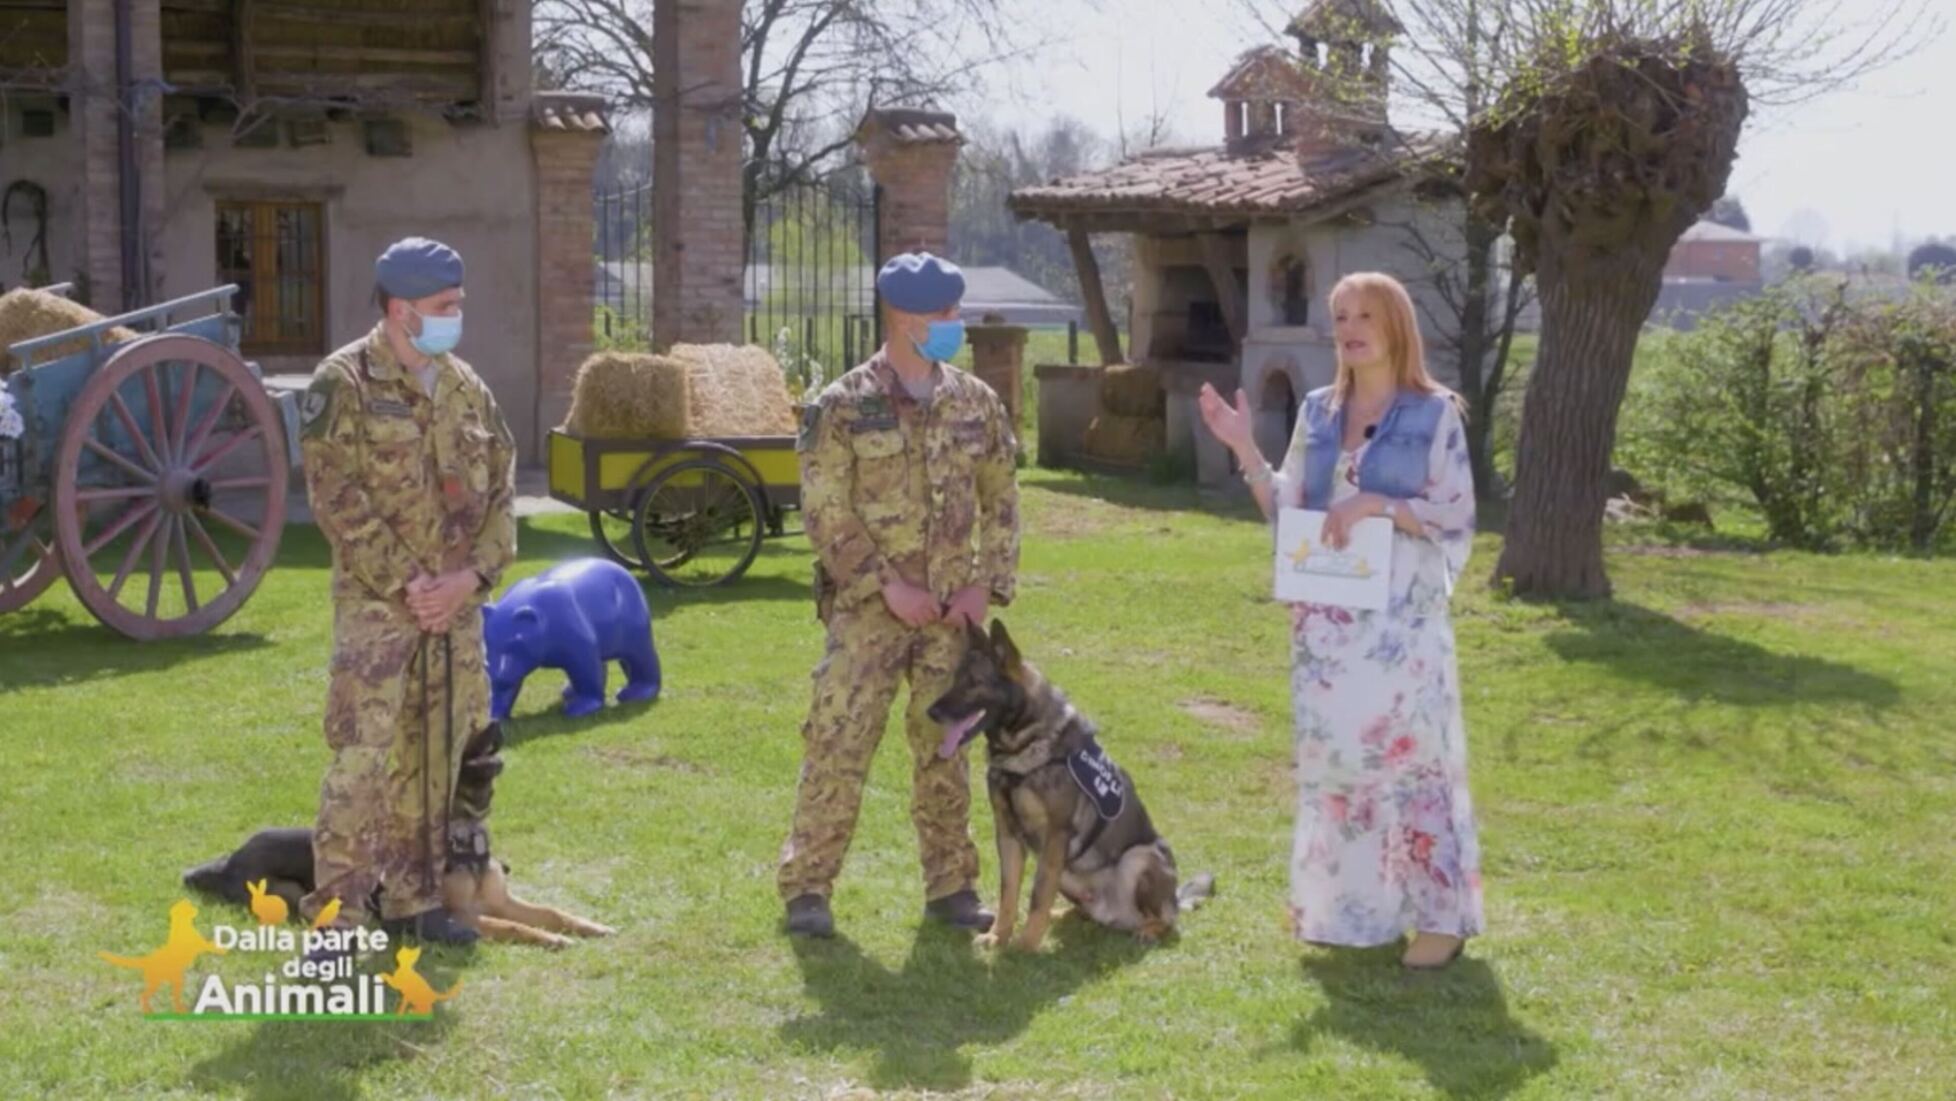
(475,885)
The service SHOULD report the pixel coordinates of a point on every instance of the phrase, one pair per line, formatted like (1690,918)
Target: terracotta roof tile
(1212,181)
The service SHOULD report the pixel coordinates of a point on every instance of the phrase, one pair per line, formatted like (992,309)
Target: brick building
(1238,245)
(281,147)
(1709,251)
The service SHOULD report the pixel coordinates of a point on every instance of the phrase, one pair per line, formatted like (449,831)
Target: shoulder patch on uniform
(316,403)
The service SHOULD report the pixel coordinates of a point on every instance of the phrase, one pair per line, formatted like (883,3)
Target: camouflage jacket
(894,488)
(401,483)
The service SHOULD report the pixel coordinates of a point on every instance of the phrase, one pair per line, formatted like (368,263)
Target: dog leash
(448,753)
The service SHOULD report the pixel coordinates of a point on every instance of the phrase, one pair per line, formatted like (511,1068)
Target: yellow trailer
(690,513)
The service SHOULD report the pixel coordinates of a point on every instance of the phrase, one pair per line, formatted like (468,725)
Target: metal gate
(624,283)
(809,286)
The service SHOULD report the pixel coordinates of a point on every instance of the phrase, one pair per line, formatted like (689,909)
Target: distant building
(1720,254)
(627,288)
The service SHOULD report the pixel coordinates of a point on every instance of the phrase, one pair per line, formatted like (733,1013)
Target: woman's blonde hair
(1403,344)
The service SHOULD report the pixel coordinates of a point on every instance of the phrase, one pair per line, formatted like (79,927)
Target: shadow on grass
(541,547)
(550,721)
(917,1021)
(1640,644)
(1454,1024)
(325,1060)
(41,647)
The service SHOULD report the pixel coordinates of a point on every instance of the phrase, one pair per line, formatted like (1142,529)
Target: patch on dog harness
(1098,777)
(468,846)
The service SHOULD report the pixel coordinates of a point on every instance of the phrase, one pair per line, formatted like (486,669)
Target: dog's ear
(975,637)
(1008,654)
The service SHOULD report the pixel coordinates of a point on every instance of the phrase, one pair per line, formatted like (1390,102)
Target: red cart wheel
(172,464)
(28,562)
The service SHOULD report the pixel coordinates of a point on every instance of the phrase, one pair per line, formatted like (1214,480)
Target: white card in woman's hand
(1308,572)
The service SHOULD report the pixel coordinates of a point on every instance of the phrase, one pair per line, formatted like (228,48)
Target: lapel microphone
(1370,429)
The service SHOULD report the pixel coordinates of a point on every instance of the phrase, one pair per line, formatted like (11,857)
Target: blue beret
(415,268)
(917,282)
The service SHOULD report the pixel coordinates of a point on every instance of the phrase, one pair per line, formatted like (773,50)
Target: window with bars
(273,251)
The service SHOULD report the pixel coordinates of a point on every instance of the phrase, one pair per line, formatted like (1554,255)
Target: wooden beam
(1136,221)
(241,21)
(375,54)
(1215,257)
(487,66)
(351,86)
(1095,293)
(300,13)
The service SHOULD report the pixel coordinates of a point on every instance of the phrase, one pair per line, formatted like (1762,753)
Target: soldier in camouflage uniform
(910,499)
(410,469)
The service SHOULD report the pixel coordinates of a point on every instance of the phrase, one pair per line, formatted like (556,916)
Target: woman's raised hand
(1229,425)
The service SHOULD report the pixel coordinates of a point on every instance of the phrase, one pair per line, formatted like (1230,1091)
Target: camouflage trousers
(385,797)
(869,653)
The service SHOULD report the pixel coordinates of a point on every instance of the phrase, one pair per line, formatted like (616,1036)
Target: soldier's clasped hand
(912,605)
(436,600)
(968,607)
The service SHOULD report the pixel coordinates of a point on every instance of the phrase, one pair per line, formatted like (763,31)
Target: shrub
(1835,419)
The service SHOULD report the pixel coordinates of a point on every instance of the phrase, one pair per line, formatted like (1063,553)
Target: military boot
(960,911)
(436,926)
(808,916)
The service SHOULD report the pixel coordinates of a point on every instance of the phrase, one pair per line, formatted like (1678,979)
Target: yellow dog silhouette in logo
(167,965)
(416,995)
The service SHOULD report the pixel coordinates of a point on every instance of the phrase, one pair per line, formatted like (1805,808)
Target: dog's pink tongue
(954,734)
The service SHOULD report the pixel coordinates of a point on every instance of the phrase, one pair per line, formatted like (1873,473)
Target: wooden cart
(162,457)
(689,513)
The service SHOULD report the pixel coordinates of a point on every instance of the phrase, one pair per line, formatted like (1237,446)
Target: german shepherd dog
(1055,793)
(474,887)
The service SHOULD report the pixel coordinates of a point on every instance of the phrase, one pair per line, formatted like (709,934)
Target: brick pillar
(699,243)
(568,133)
(910,155)
(998,356)
(100,228)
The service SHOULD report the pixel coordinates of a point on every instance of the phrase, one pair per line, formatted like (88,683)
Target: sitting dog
(1055,793)
(475,886)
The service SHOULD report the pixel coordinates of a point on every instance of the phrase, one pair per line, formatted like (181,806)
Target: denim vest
(1395,465)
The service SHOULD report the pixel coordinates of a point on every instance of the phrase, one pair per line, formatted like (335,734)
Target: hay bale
(1126,441)
(27,313)
(736,390)
(1132,390)
(696,390)
(621,396)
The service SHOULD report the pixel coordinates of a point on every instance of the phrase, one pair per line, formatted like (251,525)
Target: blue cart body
(45,392)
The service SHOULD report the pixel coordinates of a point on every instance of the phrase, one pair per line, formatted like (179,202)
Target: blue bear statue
(576,617)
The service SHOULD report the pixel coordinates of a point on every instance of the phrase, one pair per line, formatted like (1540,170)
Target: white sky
(1850,170)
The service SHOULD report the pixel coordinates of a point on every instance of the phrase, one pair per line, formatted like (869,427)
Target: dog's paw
(987,941)
(1027,942)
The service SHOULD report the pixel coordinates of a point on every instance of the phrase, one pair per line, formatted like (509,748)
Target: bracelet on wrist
(1258,474)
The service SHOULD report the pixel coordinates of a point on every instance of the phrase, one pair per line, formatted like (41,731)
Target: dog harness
(1092,771)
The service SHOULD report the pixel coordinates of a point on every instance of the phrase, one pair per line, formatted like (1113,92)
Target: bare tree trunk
(1593,308)
(1480,235)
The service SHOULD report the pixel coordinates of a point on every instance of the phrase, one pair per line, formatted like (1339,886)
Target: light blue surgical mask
(439,335)
(945,340)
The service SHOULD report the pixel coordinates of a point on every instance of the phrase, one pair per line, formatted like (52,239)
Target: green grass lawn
(1717,818)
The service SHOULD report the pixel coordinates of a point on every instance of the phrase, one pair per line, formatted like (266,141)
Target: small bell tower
(1346,47)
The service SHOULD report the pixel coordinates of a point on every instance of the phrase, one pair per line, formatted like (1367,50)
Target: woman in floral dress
(1385,838)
